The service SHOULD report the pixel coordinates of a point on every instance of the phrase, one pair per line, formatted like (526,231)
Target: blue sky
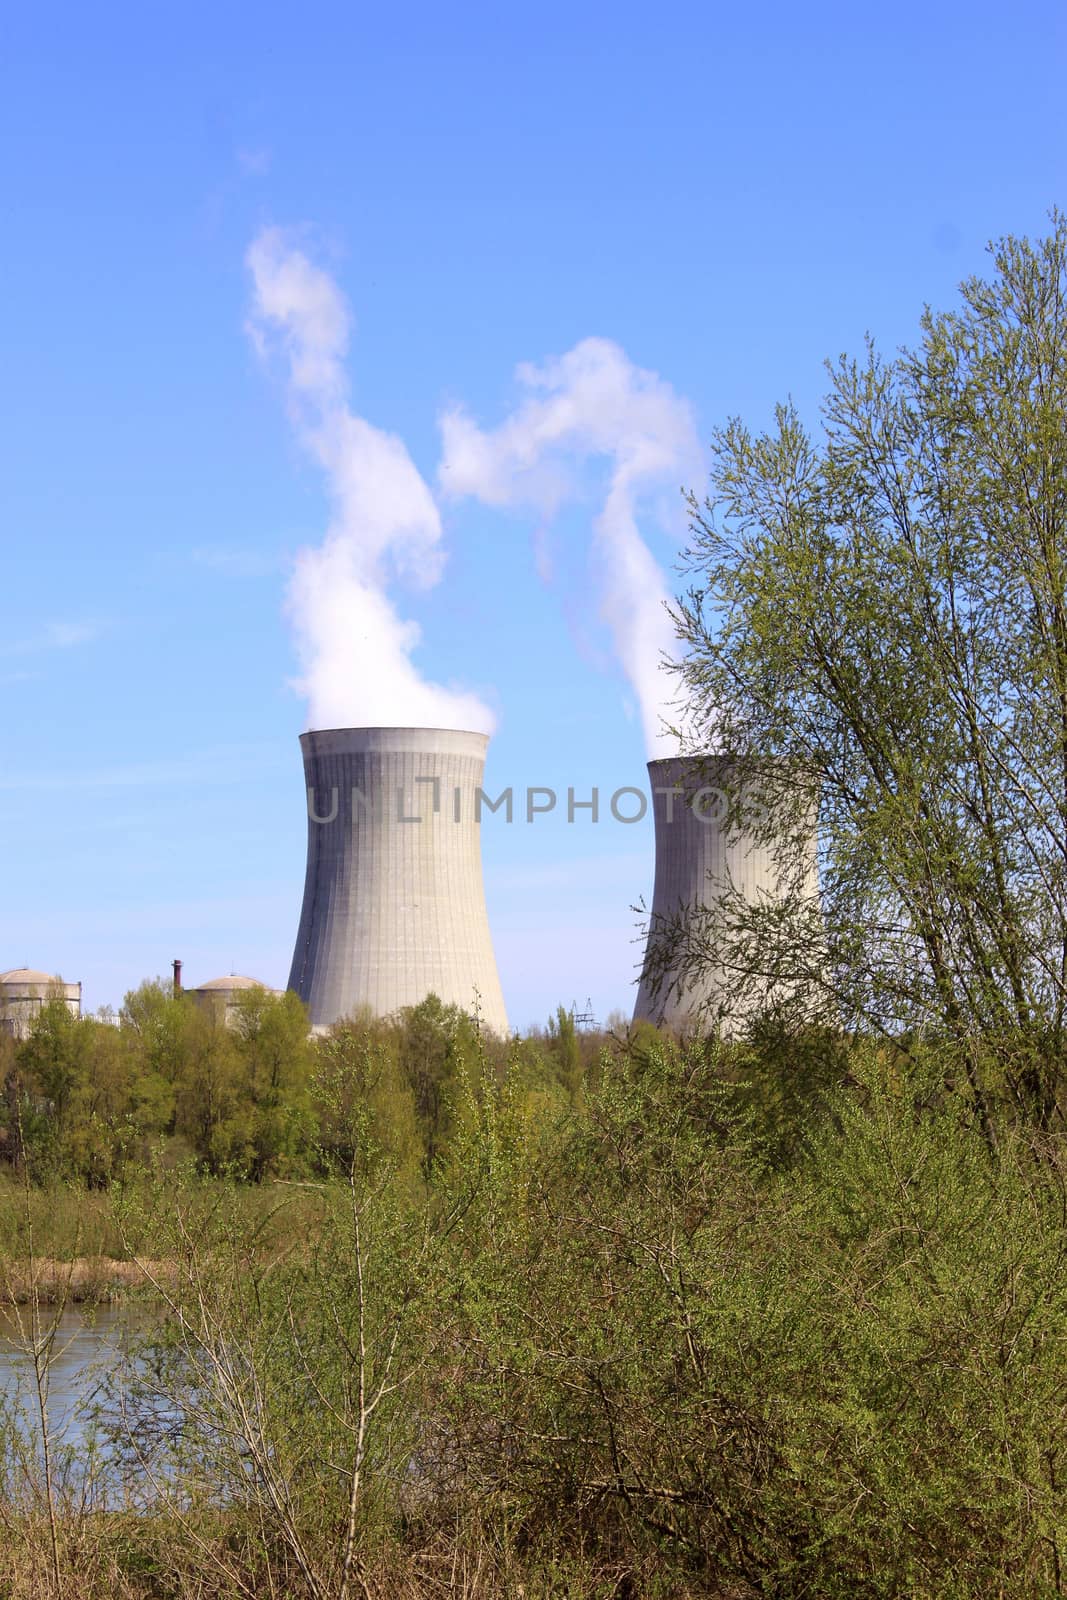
(730,196)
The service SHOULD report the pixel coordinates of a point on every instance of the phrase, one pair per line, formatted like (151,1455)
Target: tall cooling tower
(696,862)
(394,907)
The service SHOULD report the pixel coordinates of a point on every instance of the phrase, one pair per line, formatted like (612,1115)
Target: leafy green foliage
(244,1090)
(712,1329)
(877,632)
(843,1379)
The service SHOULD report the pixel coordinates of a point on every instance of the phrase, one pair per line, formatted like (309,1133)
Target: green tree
(437,1043)
(51,1057)
(106,1112)
(364,1102)
(212,1110)
(158,1019)
(877,630)
(566,1051)
(271,1034)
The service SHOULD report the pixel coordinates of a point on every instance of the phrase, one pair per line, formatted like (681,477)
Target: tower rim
(383,739)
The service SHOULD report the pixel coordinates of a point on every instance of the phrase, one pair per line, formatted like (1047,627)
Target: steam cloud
(354,649)
(593,403)
(590,405)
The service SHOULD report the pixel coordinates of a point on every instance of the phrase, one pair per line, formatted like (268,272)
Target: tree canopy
(877,624)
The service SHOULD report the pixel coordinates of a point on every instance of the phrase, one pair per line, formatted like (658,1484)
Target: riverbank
(84,1280)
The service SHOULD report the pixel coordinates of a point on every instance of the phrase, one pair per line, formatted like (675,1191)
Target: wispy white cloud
(53,636)
(64,635)
(214,767)
(234,562)
(254,160)
(355,649)
(202,919)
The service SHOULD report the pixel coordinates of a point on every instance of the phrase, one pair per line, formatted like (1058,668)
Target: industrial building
(23,992)
(221,996)
(394,903)
(698,860)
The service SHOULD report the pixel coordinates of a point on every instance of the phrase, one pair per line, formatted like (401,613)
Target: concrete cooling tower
(394,907)
(696,861)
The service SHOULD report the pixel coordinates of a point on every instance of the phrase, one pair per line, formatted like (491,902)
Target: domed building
(222,995)
(23,993)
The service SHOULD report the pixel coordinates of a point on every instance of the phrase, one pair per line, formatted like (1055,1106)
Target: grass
(83,1280)
(64,1223)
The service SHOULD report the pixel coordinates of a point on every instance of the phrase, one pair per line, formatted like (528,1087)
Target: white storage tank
(24,991)
(222,995)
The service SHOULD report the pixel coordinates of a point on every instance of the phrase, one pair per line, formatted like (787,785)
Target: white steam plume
(593,403)
(354,650)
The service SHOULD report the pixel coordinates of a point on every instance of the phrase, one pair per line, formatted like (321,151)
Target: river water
(87,1370)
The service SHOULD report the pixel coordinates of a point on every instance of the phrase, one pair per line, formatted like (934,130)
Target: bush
(844,1379)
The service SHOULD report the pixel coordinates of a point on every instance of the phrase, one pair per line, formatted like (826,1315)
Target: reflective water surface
(83,1365)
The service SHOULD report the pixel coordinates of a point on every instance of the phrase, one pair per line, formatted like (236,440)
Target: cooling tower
(394,907)
(697,860)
